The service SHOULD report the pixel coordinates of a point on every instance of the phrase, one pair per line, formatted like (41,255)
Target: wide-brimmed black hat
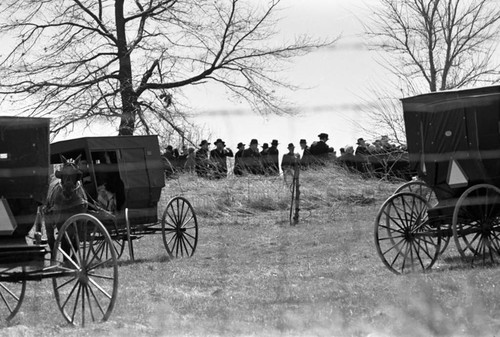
(204,142)
(274,142)
(169,147)
(291,145)
(240,145)
(360,140)
(219,141)
(303,141)
(323,135)
(265,146)
(254,141)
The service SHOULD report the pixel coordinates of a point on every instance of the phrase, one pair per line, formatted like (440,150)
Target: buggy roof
(80,145)
(436,102)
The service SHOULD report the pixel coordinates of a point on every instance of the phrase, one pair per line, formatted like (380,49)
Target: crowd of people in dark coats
(252,160)
(380,158)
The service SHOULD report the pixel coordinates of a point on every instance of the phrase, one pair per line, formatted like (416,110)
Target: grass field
(255,275)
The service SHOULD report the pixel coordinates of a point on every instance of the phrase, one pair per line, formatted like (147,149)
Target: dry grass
(254,275)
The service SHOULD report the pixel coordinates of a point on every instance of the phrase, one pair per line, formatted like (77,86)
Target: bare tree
(446,43)
(82,60)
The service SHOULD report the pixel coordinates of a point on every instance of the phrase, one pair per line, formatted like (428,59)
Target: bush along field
(255,275)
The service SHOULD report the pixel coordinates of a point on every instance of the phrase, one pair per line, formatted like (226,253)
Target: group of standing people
(252,160)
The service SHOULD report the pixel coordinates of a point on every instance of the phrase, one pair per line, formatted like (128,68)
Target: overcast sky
(339,78)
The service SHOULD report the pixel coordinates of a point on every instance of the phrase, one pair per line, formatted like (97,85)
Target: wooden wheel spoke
(5,301)
(66,282)
(425,250)
(392,229)
(104,292)
(398,252)
(76,302)
(104,277)
(394,221)
(72,248)
(395,245)
(10,292)
(96,300)
(90,304)
(68,258)
(392,238)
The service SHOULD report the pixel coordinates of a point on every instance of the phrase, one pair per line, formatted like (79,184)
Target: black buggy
(454,144)
(123,177)
(85,285)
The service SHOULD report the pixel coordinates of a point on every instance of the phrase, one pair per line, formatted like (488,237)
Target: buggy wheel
(100,249)
(11,293)
(421,188)
(179,228)
(87,286)
(403,237)
(476,224)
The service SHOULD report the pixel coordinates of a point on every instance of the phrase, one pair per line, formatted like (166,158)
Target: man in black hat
(289,160)
(320,149)
(361,156)
(238,160)
(202,166)
(306,158)
(252,158)
(273,153)
(218,157)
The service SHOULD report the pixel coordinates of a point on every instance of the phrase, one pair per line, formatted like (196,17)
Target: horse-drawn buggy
(85,284)
(123,178)
(454,144)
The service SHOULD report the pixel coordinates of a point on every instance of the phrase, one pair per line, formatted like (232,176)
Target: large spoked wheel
(179,228)
(476,224)
(87,288)
(11,293)
(403,237)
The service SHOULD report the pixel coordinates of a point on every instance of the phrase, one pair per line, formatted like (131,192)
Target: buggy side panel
(454,138)
(24,167)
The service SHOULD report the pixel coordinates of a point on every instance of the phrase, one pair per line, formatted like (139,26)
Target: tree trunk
(128,95)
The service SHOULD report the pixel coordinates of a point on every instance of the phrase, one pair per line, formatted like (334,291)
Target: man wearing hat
(320,149)
(218,157)
(273,154)
(252,158)
(202,166)
(265,156)
(305,159)
(289,160)
(361,149)
(238,160)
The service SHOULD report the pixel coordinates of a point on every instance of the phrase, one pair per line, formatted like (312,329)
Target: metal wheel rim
(408,242)
(179,228)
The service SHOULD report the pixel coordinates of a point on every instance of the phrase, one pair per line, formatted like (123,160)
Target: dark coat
(238,163)
(219,160)
(252,161)
(202,165)
(288,162)
(272,161)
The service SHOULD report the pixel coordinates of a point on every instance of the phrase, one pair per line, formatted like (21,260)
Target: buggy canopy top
(453,138)
(129,166)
